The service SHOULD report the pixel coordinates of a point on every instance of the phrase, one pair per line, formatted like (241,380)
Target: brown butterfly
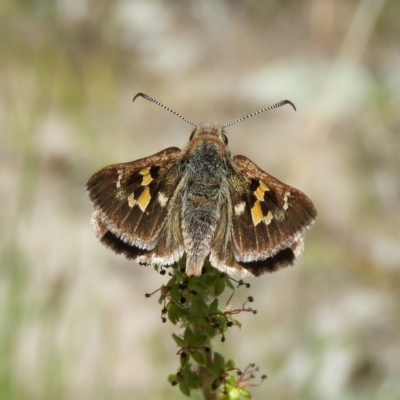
(203,203)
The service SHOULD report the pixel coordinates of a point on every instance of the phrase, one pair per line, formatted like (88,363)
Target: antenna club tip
(291,103)
(140,94)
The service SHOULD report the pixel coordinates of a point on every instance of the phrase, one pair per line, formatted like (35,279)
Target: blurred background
(73,317)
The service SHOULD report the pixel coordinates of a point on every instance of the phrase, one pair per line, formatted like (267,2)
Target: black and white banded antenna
(276,105)
(153,100)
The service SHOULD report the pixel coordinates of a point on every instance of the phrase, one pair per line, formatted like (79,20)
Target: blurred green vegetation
(73,318)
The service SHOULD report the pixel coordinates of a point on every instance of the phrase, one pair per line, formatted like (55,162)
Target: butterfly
(200,202)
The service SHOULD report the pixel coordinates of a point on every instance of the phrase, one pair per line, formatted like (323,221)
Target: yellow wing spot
(131,200)
(146,176)
(268,218)
(261,190)
(144,199)
(256,213)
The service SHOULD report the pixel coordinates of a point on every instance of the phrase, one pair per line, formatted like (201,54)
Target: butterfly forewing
(268,219)
(131,199)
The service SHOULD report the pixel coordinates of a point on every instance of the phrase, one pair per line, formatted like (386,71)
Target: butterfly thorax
(204,166)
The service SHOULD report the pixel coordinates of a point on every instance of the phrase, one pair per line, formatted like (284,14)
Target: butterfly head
(209,131)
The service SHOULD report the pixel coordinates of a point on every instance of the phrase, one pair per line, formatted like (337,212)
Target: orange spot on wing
(146,176)
(144,199)
(256,213)
(261,190)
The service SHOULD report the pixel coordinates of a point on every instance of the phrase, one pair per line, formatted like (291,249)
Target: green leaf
(163,294)
(199,340)
(186,371)
(199,358)
(202,307)
(175,294)
(210,280)
(245,393)
(184,388)
(233,392)
(219,359)
(184,359)
(171,282)
(195,320)
(191,380)
(191,377)
(229,283)
(188,336)
(219,287)
(197,285)
(216,383)
(214,369)
(214,306)
(172,378)
(235,321)
(178,340)
(221,322)
(217,365)
(230,364)
(209,330)
(230,380)
(173,313)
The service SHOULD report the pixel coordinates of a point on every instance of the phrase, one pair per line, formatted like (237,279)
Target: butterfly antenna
(276,105)
(147,97)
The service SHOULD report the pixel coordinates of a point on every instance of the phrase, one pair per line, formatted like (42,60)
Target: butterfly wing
(131,204)
(268,219)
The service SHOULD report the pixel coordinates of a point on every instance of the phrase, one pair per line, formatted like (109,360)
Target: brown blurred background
(74,320)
